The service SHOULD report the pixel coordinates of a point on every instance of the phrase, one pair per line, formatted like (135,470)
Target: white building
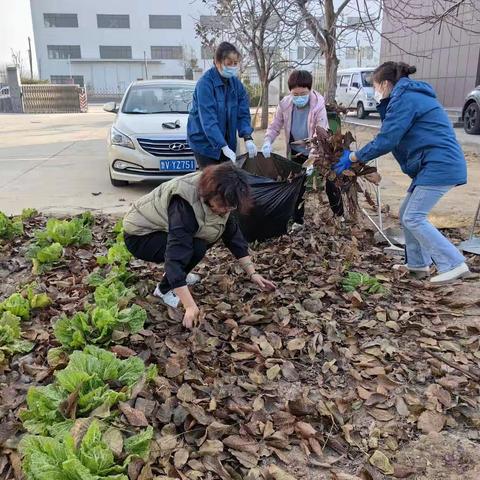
(106,44)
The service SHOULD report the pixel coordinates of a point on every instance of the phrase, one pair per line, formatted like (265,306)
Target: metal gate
(54,99)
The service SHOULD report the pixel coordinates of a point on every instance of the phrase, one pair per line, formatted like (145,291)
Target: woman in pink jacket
(299,114)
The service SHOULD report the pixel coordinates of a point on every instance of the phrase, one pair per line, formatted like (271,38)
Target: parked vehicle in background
(4,91)
(148,139)
(471,112)
(355,90)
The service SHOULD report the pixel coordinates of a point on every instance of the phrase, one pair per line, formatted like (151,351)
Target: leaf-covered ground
(307,382)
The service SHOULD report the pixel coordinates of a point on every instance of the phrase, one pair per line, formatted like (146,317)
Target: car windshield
(367,79)
(158,99)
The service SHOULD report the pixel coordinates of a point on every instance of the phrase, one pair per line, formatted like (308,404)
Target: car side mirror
(111,107)
(355,85)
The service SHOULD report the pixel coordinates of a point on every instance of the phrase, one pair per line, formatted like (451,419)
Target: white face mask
(378,96)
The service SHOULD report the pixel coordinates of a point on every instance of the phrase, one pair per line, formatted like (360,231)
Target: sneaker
(458,272)
(169,298)
(296,227)
(419,272)
(193,279)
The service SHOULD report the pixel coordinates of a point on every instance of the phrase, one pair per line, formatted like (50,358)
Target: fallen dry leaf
(135,417)
(429,422)
(381,461)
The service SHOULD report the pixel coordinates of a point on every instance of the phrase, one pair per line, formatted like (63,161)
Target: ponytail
(393,72)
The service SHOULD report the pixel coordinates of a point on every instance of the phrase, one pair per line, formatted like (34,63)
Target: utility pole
(30,58)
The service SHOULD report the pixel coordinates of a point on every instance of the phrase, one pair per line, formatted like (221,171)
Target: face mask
(378,97)
(301,100)
(229,72)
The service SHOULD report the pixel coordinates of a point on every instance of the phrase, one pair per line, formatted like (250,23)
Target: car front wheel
(471,119)
(361,113)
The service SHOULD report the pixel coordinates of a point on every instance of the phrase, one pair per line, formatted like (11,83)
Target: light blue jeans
(424,243)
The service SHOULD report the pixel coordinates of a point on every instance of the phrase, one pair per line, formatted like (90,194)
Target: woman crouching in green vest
(177,222)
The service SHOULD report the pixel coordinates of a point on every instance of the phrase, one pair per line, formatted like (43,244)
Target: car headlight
(120,139)
(370,96)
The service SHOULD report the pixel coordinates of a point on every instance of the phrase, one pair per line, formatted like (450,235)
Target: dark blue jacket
(417,130)
(218,106)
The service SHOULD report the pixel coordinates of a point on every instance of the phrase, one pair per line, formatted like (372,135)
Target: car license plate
(178,165)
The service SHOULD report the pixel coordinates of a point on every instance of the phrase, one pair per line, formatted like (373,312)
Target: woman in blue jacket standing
(220,109)
(416,129)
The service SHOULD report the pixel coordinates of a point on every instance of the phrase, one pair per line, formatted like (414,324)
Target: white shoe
(193,279)
(296,227)
(458,272)
(169,298)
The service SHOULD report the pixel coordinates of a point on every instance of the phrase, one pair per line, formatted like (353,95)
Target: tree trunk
(265,101)
(331,66)
(331,60)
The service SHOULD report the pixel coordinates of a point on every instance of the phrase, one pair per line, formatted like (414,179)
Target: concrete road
(58,164)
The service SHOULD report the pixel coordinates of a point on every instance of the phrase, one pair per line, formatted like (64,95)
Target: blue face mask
(301,100)
(229,72)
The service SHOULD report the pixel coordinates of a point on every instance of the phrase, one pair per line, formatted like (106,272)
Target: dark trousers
(152,248)
(334,196)
(204,161)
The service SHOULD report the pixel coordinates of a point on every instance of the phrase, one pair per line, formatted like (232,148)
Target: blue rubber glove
(344,163)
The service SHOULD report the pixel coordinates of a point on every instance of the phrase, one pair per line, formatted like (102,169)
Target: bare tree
(258,29)
(329,26)
(412,17)
(17,60)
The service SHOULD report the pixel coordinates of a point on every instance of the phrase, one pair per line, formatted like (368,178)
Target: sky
(15,27)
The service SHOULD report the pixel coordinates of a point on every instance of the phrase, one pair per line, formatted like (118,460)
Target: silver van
(355,90)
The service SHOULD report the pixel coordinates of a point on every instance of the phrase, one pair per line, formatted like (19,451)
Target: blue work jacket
(220,109)
(417,130)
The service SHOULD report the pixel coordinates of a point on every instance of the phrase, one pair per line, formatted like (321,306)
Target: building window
(367,52)
(207,53)
(209,20)
(167,53)
(63,52)
(165,21)
(67,80)
(213,21)
(114,51)
(353,21)
(351,53)
(306,52)
(113,21)
(60,20)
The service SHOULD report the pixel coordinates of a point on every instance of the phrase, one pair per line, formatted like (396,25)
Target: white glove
(251,148)
(267,149)
(309,170)
(229,153)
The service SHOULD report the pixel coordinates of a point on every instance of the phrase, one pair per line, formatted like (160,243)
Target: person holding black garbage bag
(299,114)
(177,222)
(220,110)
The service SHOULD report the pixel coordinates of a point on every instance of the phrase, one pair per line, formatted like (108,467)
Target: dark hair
(224,50)
(227,182)
(300,78)
(393,72)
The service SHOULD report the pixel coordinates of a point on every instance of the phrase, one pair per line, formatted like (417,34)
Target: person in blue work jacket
(417,130)
(220,109)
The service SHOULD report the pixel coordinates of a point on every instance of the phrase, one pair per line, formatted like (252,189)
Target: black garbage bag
(276,183)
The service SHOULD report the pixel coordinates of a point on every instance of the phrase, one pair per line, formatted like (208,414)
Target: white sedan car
(148,139)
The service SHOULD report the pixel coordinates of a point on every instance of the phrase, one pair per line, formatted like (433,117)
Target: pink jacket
(317,116)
